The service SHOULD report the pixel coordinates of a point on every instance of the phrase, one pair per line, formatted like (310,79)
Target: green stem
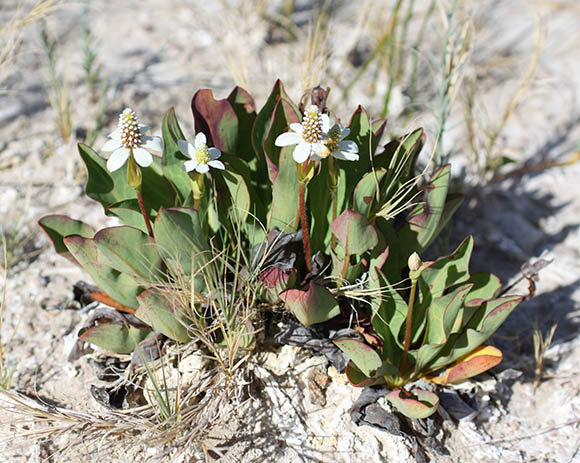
(305,234)
(144,211)
(408,328)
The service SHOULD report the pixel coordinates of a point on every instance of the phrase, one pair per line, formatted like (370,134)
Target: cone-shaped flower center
(333,141)
(312,125)
(202,153)
(130,132)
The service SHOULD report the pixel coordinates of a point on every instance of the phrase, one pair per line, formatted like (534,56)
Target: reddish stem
(144,212)
(305,234)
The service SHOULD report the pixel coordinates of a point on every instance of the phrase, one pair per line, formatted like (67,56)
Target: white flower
(129,139)
(337,146)
(308,136)
(201,157)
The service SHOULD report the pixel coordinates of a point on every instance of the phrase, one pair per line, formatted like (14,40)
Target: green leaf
(367,191)
(354,232)
(449,270)
(104,186)
(441,319)
(389,318)
(264,120)
(419,404)
(180,241)
(423,221)
(119,286)
(243,105)
(365,357)
(316,305)
(109,188)
(122,339)
(482,325)
(358,379)
(57,227)
(130,214)
(241,201)
(172,160)
(480,360)
(130,251)
(159,312)
(285,194)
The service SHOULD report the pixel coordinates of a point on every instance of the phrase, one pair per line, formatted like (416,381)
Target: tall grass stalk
(58,97)
(455,48)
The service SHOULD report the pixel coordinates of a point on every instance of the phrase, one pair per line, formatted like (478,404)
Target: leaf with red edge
(216,119)
(365,357)
(58,227)
(163,315)
(316,305)
(481,359)
(419,404)
(120,286)
(354,231)
(358,379)
(121,339)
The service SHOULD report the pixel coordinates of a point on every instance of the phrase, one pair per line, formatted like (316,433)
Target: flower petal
(301,152)
(186,148)
(296,127)
(190,165)
(288,139)
(348,151)
(143,128)
(117,159)
(216,165)
(325,123)
(199,139)
(154,144)
(345,133)
(350,146)
(115,134)
(214,153)
(142,156)
(112,145)
(202,168)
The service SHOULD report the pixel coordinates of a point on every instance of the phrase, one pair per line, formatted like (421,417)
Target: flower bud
(414,262)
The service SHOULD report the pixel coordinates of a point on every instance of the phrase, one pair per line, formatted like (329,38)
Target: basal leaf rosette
(454,314)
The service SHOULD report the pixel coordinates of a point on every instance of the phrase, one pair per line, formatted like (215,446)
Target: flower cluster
(129,139)
(316,140)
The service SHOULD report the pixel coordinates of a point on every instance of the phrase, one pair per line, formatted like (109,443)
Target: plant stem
(144,212)
(333,184)
(408,327)
(305,234)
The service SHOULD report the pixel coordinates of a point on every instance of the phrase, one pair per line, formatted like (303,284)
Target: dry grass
(541,345)
(215,401)
(483,138)
(11,33)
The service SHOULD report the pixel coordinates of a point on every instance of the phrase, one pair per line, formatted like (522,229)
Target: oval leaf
(355,232)
(156,310)
(58,227)
(121,339)
(419,404)
(481,359)
(316,305)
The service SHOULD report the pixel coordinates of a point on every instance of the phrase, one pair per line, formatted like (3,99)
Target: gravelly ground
(155,54)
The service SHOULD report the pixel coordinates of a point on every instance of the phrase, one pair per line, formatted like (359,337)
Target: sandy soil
(155,54)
